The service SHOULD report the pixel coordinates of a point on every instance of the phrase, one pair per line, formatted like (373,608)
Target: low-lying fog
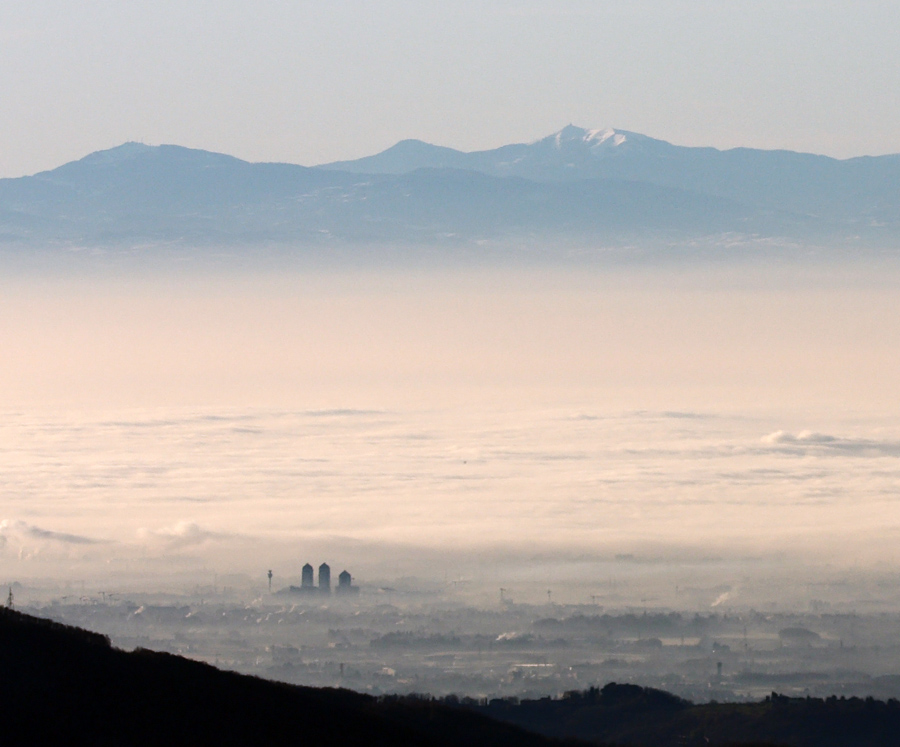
(730,427)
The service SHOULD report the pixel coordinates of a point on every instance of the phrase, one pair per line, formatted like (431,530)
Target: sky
(311,82)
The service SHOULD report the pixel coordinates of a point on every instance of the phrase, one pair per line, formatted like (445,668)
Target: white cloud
(783,437)
(805,440)
(182,534)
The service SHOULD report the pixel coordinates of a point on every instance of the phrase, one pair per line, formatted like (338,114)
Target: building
(345,584)
(309,586)
(325,578)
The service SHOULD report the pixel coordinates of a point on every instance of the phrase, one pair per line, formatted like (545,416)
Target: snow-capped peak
(608,137)
(593,139)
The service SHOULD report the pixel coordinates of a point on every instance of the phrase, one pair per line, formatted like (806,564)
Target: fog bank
(442,419)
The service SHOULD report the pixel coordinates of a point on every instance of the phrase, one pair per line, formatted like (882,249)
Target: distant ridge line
(601,186)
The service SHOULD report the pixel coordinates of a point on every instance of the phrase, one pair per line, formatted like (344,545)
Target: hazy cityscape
(442,639)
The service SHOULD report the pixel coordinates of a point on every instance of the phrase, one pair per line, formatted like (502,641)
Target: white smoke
(722,598)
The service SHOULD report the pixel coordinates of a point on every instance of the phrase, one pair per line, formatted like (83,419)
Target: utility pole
(270,581)
(9,599)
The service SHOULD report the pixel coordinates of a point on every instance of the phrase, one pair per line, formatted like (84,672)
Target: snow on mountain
(570,134)
(599,143)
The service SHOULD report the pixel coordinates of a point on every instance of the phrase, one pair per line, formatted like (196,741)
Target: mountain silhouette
(581,185)
(64,685)
(857,189)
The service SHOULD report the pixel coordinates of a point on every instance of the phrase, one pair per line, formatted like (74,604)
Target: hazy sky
(310,82)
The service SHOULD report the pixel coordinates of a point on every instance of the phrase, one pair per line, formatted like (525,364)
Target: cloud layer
(485,415)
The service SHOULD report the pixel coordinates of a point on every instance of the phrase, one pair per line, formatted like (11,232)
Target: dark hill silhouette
(628,714)
(63,685)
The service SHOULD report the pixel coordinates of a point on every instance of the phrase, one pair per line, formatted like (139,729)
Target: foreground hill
(627,714)
(63,685)
(579,185)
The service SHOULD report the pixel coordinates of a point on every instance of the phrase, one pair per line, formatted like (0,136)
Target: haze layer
(234,421)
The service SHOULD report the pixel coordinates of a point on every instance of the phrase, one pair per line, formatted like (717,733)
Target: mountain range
(575,185)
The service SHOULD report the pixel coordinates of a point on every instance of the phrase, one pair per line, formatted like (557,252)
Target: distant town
(309,586)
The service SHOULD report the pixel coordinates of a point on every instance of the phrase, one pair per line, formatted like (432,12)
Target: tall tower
(345,584)
(325,578)
(306,580)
